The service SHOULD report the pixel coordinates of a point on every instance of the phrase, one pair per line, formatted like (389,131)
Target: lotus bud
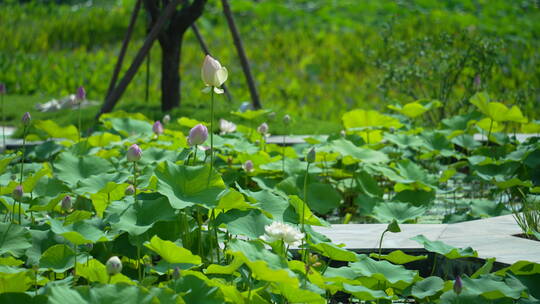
(458,285)
(286,119)
(134,153)
(114,265)
(2,89)
(166,118)
(310,158)
(18,193)
(176,273)
(477,82)
(248,166)
(198,135)
(67,203)
(130,190)
(26,119)
(157,128)
(263,128)
(81,93)
(212,73)
(343,133)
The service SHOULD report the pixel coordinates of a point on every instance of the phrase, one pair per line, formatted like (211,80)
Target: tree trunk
(170,73)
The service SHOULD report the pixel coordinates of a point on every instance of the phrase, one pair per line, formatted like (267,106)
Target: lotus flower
(166,118)
(130,190)
(248,166)
(18,193)
(197,135)
(263,128)
(114,265)
(67,203)
(134,153)
(81,93)
(26,119)
(157,128)
(213,74)
(281,231)
(226,126)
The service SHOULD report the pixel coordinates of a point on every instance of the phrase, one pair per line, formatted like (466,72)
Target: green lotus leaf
(445,249)
(369,119)
(171,252)
(59,258)
(185,186)
(14,239)
(334,252)
(94,271)
(139,217)
(71,168)
(365,294)
(371,272)
(55,131)
(249,223)
(399,257)
(401,212)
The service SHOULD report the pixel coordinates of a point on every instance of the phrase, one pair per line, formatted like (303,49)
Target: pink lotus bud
(166,118)
(212,73)
(458,285)
(81,93)
(130,190)
(477,82)
(26,119)
(198,135)
(67,203)
(286,119)
(114,265)
(2,89)
(263,128)
(157,128)
(248,166)
(134,153)
(18,193)
(310,158)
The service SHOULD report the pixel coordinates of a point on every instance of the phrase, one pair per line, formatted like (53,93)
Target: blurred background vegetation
(312,59)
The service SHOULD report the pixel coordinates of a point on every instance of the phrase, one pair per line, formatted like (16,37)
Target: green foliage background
(315,59)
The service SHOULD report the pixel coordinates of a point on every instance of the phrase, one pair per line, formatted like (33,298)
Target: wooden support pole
(242,55)
(117,92)
(204,48)
(124,47)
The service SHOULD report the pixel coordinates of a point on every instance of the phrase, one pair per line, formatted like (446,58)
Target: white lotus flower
(281,231)
(113,265)
(213,74)
(226,126)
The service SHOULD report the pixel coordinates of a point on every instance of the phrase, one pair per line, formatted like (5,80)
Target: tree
(170,40)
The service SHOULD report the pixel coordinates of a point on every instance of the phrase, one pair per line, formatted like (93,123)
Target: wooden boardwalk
(491,237)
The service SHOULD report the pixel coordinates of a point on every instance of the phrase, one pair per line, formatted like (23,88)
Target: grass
(16,105)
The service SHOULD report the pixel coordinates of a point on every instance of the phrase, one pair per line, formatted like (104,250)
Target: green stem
(135,181)
(195,155)
(283,156)
(139,262)
(215,235)
(211,135)
(80,131)
(3,123)
(489,132)
(302,221)
(22,168)
(380,243)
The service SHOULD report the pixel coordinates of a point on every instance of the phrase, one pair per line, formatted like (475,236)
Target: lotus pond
(137,214)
